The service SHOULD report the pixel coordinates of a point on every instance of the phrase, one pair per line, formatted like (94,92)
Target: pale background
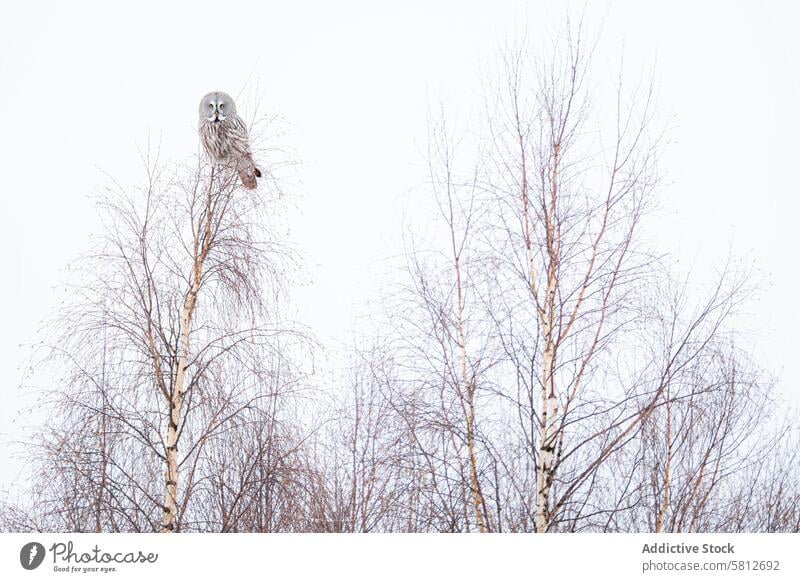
(85,84)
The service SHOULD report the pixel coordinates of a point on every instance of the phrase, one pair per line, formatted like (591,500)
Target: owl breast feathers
(224,137)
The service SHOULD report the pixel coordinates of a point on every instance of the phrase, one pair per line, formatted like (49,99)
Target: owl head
(217,106)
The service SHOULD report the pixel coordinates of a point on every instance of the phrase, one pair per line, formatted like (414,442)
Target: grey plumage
(224,137)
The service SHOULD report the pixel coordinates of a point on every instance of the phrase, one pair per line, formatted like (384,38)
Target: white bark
(175,398)
(548,430)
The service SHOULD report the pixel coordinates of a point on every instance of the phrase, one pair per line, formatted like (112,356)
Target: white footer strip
(387,557)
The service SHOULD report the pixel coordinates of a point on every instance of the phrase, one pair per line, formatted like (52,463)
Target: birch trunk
(175,396)
(548,431)
(469,388)
(662,510)
(477,496)
(547,441)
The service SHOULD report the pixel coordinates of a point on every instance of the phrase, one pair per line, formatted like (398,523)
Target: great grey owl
(224,137)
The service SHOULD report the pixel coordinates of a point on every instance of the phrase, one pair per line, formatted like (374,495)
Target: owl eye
(221,105)
(211,106)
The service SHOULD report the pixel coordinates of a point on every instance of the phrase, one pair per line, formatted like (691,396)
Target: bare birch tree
(570,197)
(173,331)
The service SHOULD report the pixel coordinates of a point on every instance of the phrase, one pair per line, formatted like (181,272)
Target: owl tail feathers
(248,174)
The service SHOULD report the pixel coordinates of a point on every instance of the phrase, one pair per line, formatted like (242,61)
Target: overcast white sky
(82,87)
